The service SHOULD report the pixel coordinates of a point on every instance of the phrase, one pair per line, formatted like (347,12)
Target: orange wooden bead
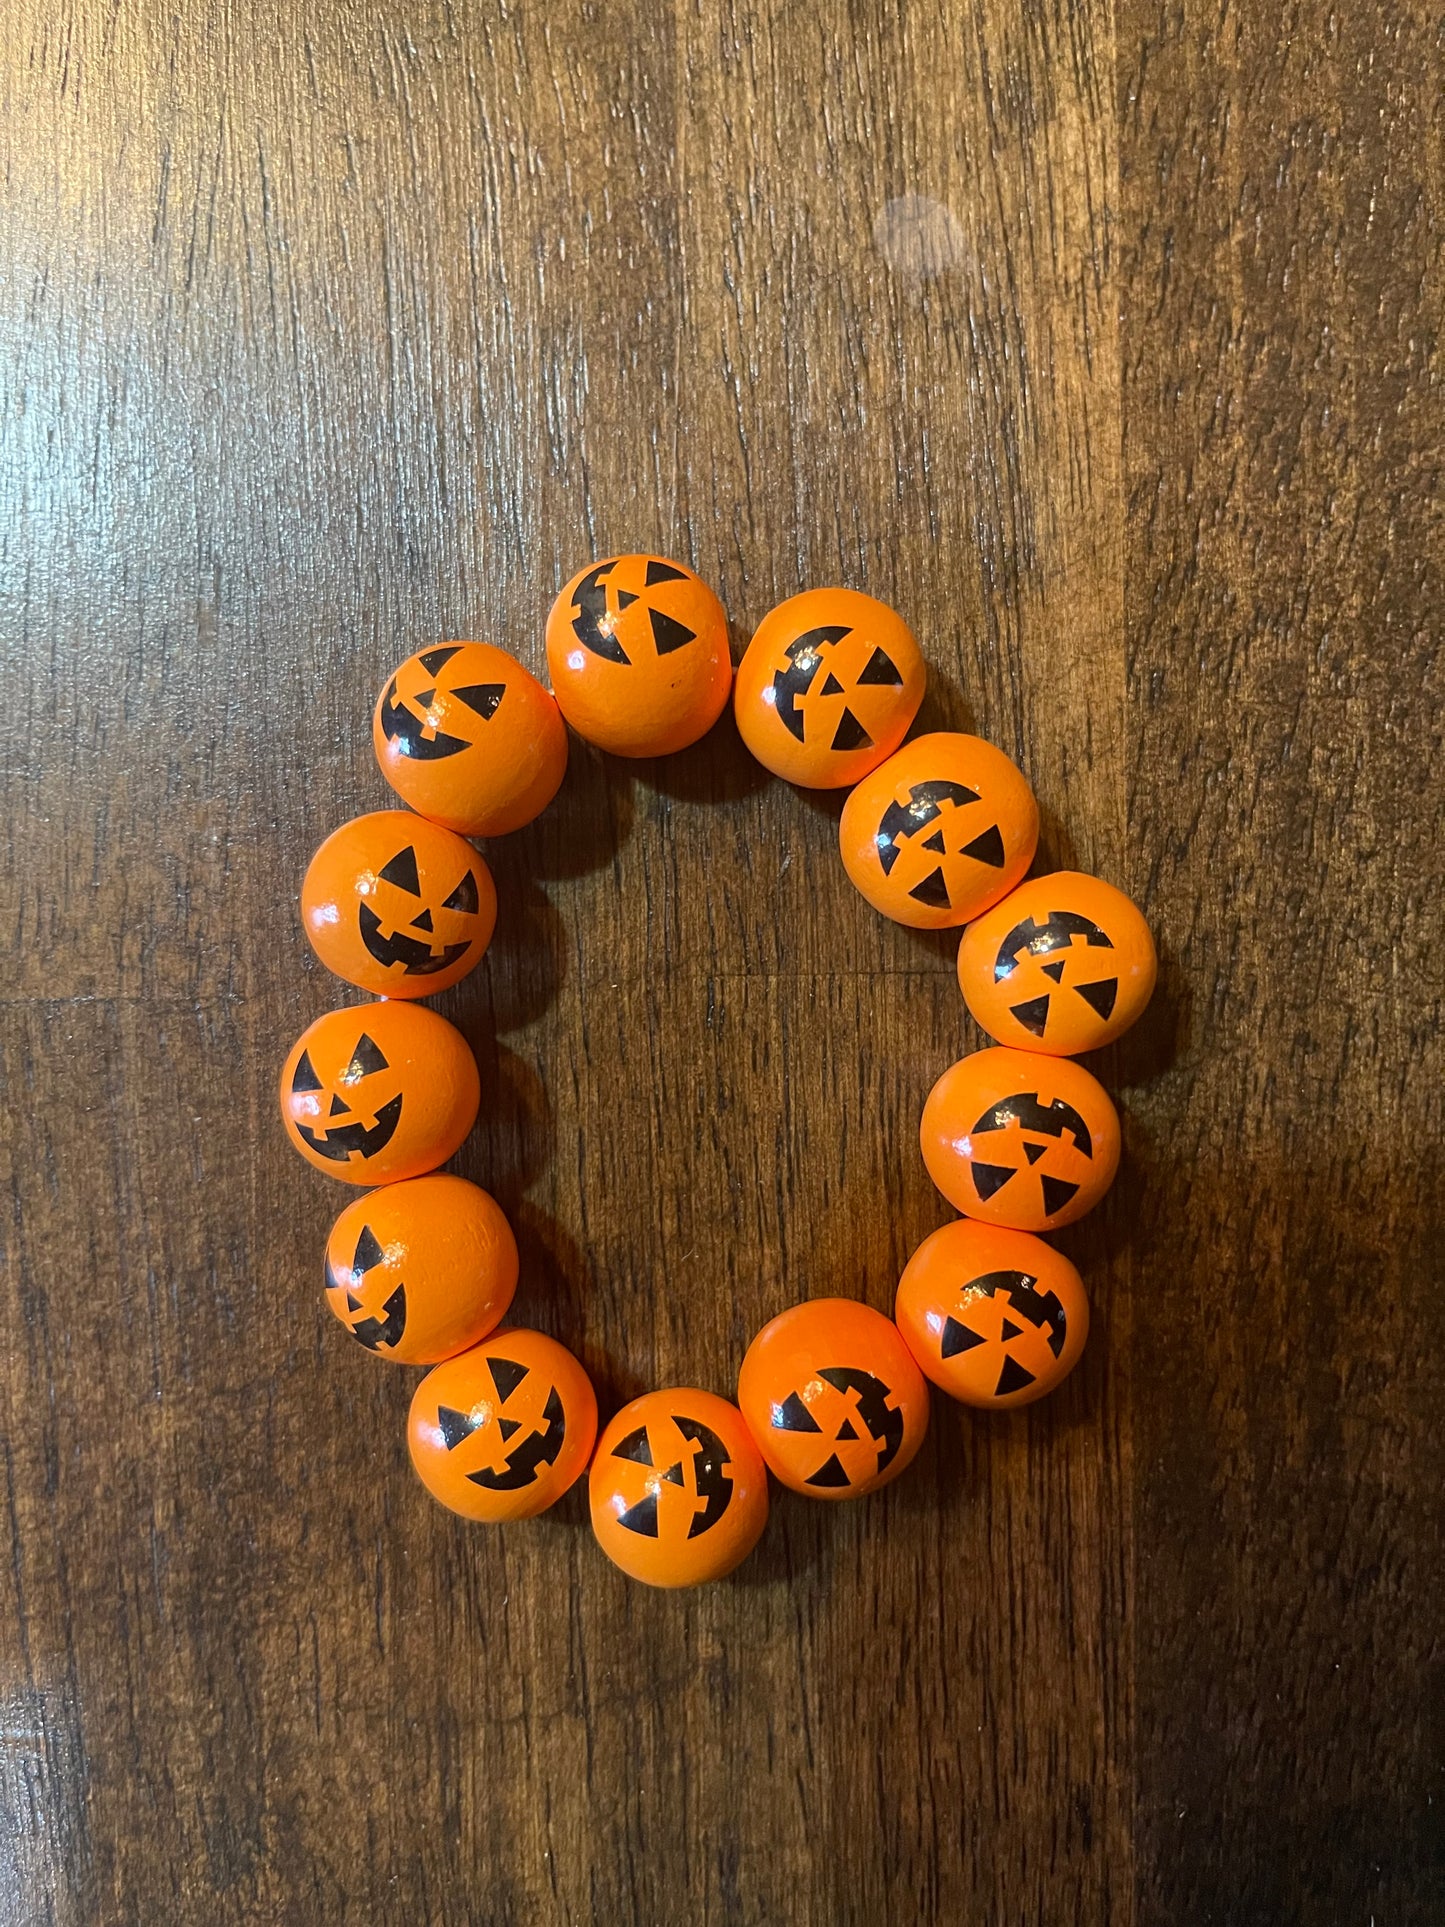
(1020,1139)
(833,1398)
(503,1430)
(417,1272)
(940,831)
(679,1493)
(1064,964)
(638,653)
(466,736)
(379,1092)
(995,1318)
(397,905)
(828,687)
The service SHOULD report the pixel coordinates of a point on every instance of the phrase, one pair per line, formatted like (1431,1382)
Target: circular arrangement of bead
(832,1397)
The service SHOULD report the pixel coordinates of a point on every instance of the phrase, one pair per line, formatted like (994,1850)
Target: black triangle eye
(464,897)
(433,660)
(987,848)
(1101,996)
(402,872)
(793,1416)
(366,1059)
(635,1446)
(368,1250)
(882,670)
(507,1375)
(304,1077)
(484,698)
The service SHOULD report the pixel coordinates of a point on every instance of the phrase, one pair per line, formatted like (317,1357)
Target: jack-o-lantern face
(398,905)
(417,1272)
(371,1325)
(503,1430)
(940,831)
(678,1490)
(833,1398)
(637,648)
(379,1092)
(828,687)
(995,1317)
(1019,1139)
(431,709)
(1063,965)
(466,736)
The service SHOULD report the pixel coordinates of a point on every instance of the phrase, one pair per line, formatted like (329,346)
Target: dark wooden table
(1104,343)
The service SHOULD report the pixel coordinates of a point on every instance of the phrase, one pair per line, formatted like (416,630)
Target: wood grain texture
(1103,341)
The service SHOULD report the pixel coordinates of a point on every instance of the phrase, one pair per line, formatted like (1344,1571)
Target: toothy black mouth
(417,958)
(356,1139)
(535,1451)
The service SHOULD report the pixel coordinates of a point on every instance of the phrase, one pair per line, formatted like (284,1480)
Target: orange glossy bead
(637,648)
(397,905)
(995,1318)
(1020,1139)
(379,1092)
(503,1430)
(834,1399)
(466,736)
(679,1492)
(940,831)
(417,1272)
(828,687)
(1064,964)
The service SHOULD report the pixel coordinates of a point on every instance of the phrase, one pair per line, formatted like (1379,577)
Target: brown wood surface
(330,329)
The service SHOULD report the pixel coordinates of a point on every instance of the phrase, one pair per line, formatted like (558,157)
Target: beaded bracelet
(832,1396)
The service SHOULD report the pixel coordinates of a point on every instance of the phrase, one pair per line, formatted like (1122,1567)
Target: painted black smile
(535,1451)
(356,1139)
(417,959)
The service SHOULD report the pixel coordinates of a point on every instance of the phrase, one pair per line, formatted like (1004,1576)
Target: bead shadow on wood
(716,770)
(578,833)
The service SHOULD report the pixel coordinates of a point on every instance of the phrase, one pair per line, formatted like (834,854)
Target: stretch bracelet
(937,832)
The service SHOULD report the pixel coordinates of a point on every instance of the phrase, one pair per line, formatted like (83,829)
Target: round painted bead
(503,1430)
(637,648)
(995,1318)
(466,736)
(940,831)
(417,1272)
(828,687)
(679,1492)
(397,905)
(833,1398)
(1019,1139)
(379,1092)
(1064,964)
